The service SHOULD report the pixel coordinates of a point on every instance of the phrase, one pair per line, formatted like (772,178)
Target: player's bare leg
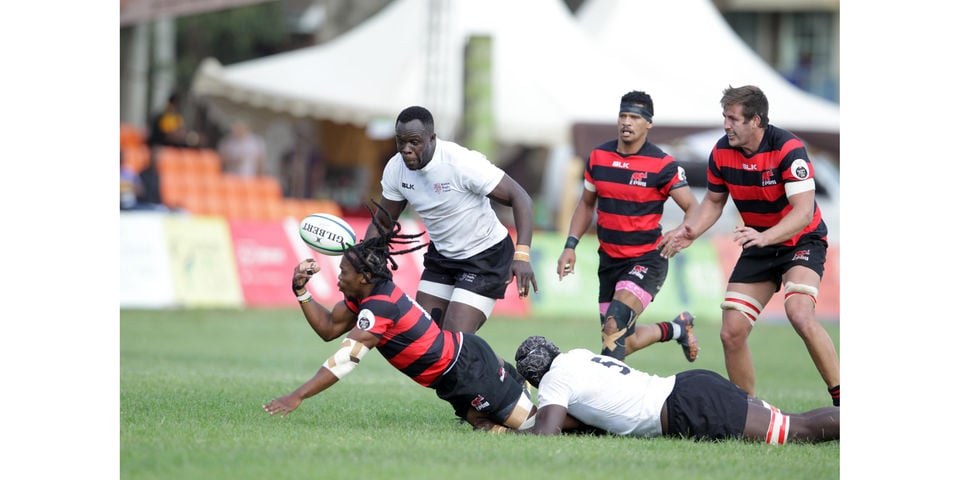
(734,332)
(433,305)
(818,342)
(801,286)
(461,317)
(766,423)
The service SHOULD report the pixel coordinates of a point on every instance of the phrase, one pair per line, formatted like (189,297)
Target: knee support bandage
(799,288)
(745,304)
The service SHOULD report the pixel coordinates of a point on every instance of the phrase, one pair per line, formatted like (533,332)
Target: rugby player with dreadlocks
(483,389)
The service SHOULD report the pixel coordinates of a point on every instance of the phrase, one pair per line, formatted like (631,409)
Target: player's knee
(623,315)
(733,338)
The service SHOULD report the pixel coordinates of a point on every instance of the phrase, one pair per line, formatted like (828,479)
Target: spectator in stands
(131,188)
(167,128)
(242,151)
(303,167)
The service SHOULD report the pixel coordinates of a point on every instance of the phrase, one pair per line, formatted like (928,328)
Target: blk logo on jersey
(639,179)
(799,169)
(619,164)
(406,186)
(802,255)
(750,167)
(638,271)
(767,178)
(479,403)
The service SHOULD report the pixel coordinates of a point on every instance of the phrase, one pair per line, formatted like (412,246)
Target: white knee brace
(795,288)
(745,304)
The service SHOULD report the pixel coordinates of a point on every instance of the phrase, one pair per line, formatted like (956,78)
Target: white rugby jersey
(450,195)
(606,393)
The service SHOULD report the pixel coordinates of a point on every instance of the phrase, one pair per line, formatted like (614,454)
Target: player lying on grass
(599,391)
(462,368)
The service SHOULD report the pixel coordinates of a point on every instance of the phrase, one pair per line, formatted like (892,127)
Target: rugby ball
(327,234)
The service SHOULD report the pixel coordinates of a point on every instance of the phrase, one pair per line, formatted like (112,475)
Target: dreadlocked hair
(372,257)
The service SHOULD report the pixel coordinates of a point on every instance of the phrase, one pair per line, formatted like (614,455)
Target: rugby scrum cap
(534,357)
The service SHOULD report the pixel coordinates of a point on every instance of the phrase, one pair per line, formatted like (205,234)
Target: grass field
(192,384)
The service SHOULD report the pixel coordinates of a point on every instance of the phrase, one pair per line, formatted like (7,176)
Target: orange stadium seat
(292,208)
(131,136)
(170,160)
(175,187)
(267,187)
(272,209)
(136,157)
(208,162)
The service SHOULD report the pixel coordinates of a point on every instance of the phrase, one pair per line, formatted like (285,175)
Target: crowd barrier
(170,260)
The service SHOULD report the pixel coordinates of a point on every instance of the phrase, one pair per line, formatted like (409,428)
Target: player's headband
(639,110)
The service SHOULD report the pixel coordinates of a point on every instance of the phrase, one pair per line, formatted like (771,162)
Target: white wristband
(305,297)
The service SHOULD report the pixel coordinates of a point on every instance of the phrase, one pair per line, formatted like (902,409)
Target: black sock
(666,331)
(835,393)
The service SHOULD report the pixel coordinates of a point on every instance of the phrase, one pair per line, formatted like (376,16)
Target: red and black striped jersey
(757,183)
(409,339)
(631,191)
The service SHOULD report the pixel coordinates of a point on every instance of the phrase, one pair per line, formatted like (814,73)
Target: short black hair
(410,114)
(372,257)
(637,96)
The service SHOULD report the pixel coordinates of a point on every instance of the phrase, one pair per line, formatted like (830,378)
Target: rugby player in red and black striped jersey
(767,172)
(627,181)
(483,389)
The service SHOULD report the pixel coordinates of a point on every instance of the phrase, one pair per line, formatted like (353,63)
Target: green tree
(230,36)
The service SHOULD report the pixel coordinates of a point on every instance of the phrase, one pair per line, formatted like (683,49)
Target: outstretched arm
(328,324)
(341,363)
(509,192)
(694,224)
(554,420)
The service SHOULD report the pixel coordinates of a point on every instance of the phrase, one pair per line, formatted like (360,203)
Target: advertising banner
(145,278)
(265,262)
(202,262)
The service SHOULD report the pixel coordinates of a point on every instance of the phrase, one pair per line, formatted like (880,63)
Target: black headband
(639,110)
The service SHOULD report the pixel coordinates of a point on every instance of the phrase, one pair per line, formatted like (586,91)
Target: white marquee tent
(547,72)
(687,54)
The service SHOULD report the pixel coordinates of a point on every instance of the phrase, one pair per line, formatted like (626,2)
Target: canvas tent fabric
(550,69)
(547,73)
(687,54)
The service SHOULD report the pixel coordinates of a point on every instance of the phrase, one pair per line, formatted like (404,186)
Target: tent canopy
(406,55)
(550,70)
(686,54)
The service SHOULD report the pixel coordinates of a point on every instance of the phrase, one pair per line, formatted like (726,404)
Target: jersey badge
(479,403)
(638,271)
(639,179)
(767,178)
(799,169)
(365,319)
